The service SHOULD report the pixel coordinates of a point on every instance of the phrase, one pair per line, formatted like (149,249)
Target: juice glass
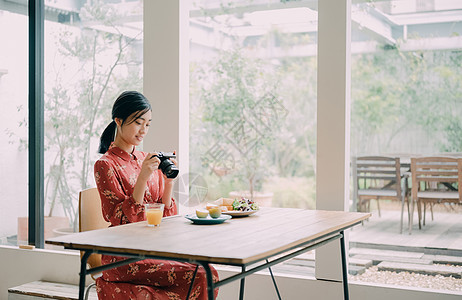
(154,212)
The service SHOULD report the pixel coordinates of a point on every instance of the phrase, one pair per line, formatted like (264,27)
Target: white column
(166,81)
(333,122)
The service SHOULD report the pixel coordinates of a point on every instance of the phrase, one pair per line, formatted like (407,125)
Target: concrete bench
(39,290)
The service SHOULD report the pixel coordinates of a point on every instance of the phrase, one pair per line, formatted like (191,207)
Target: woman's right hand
(150,165)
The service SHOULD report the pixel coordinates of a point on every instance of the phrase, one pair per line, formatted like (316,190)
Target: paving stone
(379,252)
(355,266)
(444,259)
(376,259)
(360,262)
(455,272)
(301,262)
(356,270)
(291,269)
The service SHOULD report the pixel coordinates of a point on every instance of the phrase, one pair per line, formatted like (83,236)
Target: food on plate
(225,203)
(201,213)
(234,205)
(215,212)
(244,204)
(211,205)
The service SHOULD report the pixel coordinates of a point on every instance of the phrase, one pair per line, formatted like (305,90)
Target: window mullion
(36,123)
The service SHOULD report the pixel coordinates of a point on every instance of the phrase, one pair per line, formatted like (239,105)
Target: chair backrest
(91,217)
(436,174)
(378,172)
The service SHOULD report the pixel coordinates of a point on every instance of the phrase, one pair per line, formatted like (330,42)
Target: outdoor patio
(430,258)
(443,235)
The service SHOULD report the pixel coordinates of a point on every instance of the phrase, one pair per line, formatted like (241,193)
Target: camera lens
(169,168)
(171,171)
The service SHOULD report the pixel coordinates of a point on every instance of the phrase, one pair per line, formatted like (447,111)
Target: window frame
(36,124)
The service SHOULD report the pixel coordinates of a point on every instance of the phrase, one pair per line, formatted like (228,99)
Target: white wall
(18,266)
(13,94)
(333,122)
(166,83)
(21,266)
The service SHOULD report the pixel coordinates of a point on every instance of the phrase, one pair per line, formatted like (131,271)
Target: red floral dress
(116,173)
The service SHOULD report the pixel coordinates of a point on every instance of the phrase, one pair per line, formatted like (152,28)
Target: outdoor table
(272,233)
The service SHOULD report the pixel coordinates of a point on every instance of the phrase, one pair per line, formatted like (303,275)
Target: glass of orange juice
(154,212)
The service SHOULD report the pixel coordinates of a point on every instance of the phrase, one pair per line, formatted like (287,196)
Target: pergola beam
(244,7)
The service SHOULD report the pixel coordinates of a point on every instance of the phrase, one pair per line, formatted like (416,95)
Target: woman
(126,179)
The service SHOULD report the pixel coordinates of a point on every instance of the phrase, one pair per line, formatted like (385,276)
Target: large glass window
(93,51)
(13,120)
(406,102)
(253,102)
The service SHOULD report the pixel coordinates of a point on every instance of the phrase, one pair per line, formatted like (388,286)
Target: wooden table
(272,233)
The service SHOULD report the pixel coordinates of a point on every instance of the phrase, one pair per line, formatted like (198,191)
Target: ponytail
(107,137)
(127,107)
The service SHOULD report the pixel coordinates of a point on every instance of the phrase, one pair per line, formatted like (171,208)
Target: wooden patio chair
(435,180)
(379,178)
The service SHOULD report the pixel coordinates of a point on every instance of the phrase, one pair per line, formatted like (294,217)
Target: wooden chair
(91,218)
(435,180)
(378,178)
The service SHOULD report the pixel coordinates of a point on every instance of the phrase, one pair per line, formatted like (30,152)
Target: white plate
(237,213)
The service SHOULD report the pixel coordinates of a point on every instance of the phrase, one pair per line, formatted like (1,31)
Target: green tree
(240,113)
(96,65)
(397,94)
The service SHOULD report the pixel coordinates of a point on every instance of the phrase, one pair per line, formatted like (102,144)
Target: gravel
(408,279)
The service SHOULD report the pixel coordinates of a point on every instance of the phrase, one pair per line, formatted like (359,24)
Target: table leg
(192,282)
(402,213)
(241,289)
(419,212)
(403,197)
(346,295)
(274,281)
(408,197)
(210,284)
(411,220)
(83,273)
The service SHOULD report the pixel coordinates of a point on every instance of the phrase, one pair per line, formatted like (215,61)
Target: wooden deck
(443,235)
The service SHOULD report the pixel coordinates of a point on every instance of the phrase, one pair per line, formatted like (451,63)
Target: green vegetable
(236,204)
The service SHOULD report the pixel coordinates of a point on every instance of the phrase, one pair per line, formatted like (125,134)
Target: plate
(207,221)
(237,213)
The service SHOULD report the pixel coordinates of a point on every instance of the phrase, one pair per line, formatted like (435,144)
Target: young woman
(126,179)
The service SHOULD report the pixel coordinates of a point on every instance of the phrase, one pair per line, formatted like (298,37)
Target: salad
(244,204)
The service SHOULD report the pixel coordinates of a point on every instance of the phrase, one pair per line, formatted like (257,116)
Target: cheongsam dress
(116,173)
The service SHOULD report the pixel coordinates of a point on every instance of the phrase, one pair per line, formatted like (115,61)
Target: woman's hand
(149,166)
(170,180)
(168,188)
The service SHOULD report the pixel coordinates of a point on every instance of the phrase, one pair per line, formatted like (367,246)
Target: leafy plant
(399,96)
(241,113)
(93,67)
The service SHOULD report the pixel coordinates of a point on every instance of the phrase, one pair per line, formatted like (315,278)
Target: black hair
(126,104)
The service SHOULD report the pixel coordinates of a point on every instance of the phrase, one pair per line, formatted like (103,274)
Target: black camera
(166,165)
